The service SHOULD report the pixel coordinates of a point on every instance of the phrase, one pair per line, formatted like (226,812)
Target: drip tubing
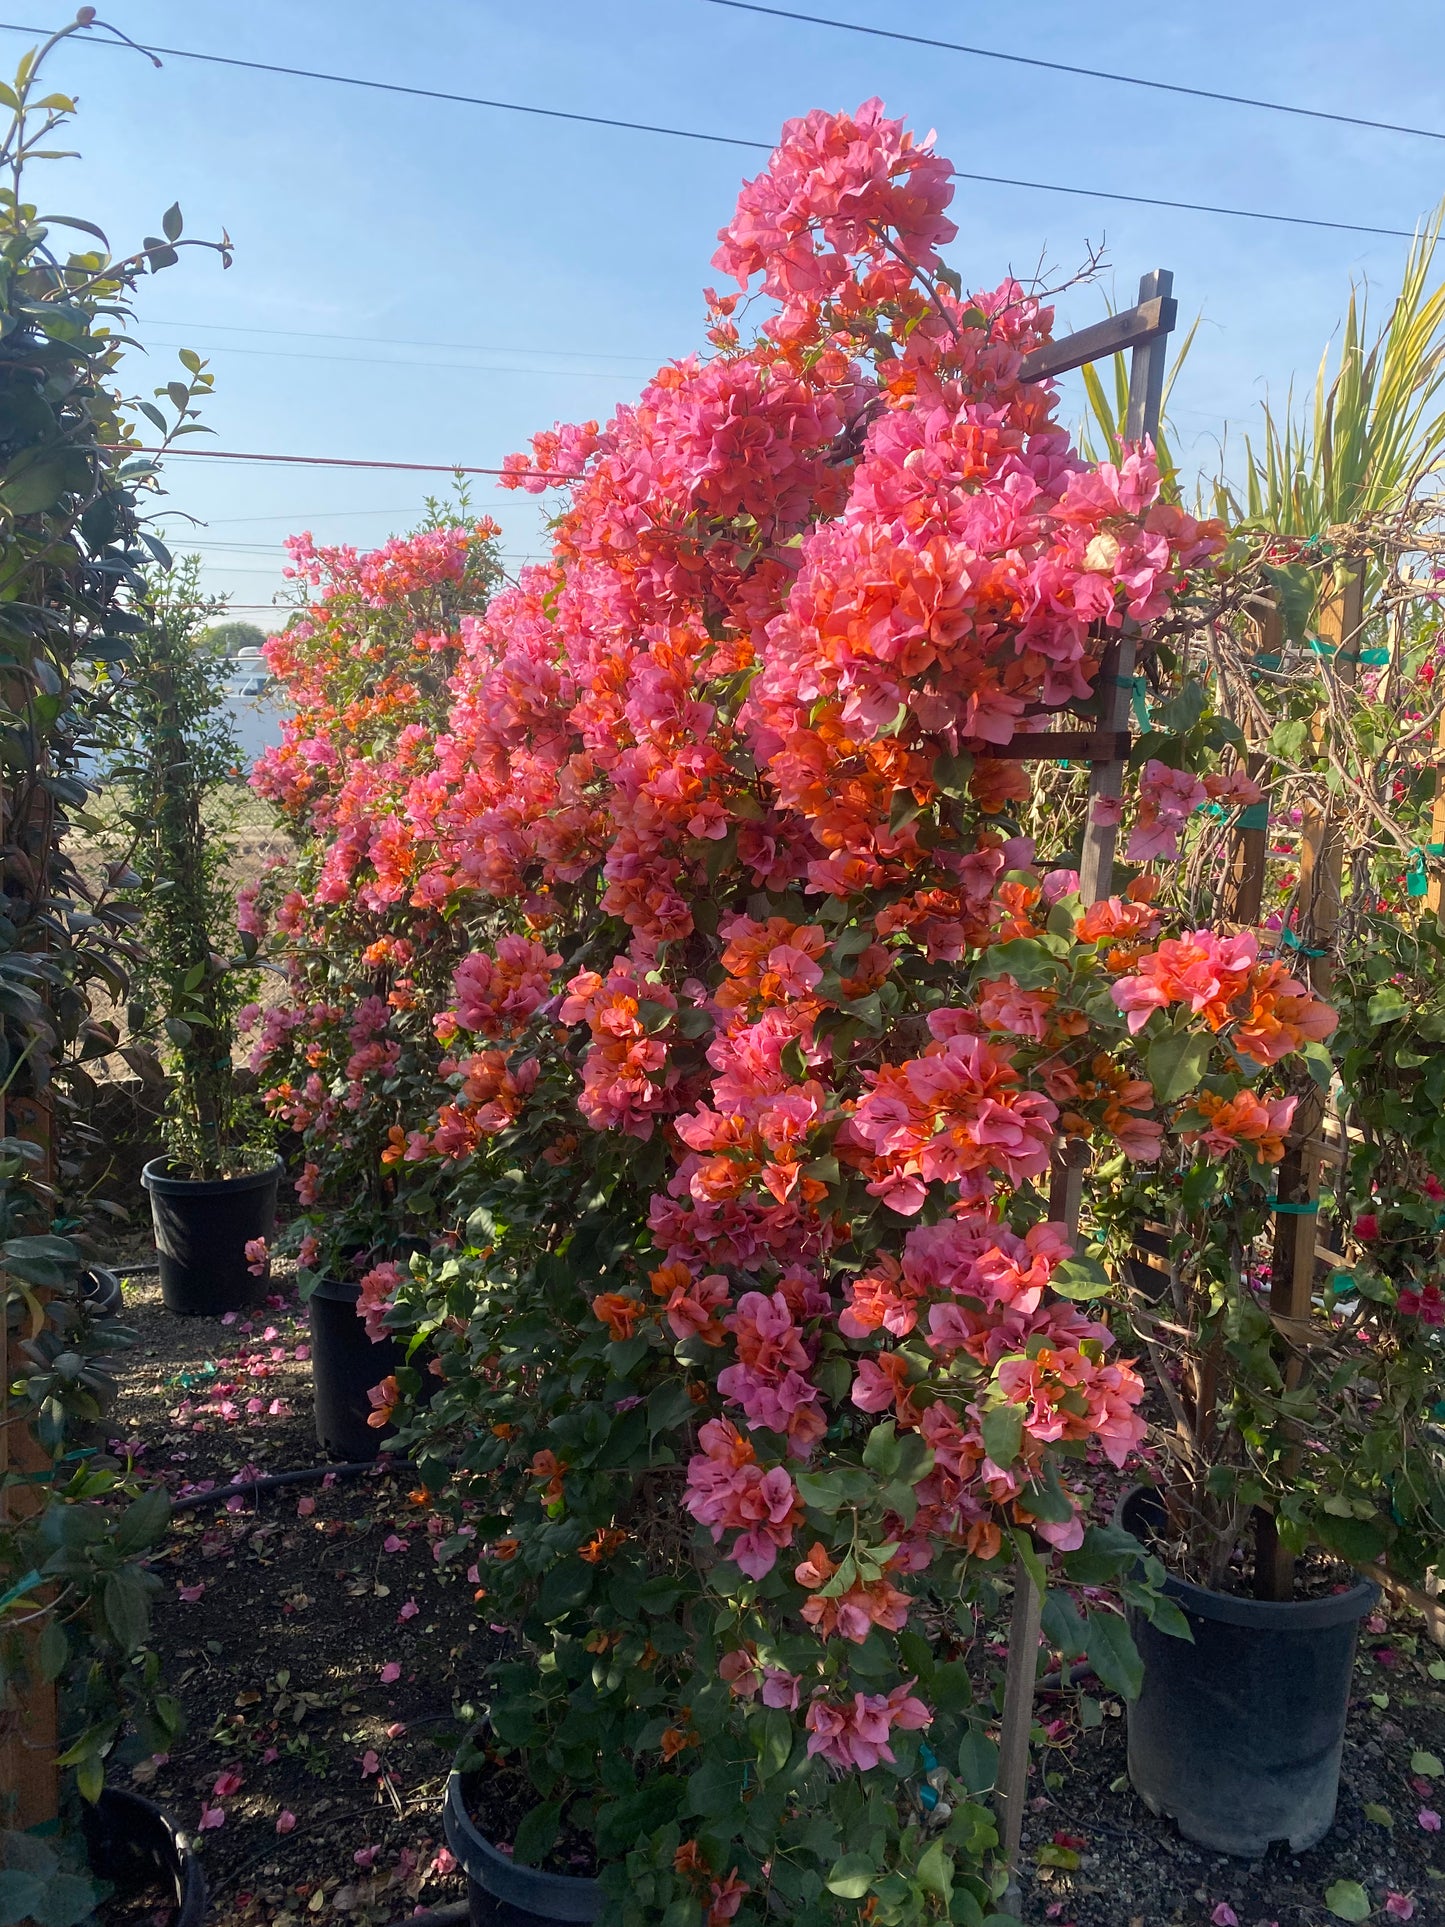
(302,1475)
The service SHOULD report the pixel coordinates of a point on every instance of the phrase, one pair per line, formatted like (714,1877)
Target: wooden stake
(1096,875)
(1437,826)
(1244,895)
(1322,855)
(29,1724)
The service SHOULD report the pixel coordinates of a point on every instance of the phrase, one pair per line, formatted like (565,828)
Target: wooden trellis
(1145,329)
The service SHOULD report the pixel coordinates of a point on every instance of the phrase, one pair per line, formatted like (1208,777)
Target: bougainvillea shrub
(348,1052)
(760,1349)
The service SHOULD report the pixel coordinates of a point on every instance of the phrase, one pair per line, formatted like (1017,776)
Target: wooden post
(1244,894)
(1322,857)
(1096,875)
(29,1724)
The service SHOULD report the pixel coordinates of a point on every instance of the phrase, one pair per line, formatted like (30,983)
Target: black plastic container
(1238,1736)
(202,1228)
(499,1892)
(100,1292)
(134,1845)
(345,1364)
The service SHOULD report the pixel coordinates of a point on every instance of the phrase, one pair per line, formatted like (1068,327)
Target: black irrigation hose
(302,1475)
(451,1915)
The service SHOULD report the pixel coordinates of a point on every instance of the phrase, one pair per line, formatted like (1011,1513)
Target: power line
(731,140)
(336,461)
(1086,73)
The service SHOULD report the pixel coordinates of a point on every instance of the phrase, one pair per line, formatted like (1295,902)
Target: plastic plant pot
(202,1227)
(502,1894)
(135,1846)
(1238,1736)
(345,1365)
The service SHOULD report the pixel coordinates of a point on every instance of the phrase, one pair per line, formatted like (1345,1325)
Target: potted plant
(350,1057)
(169,779)
(1298,1466)
(759,1345)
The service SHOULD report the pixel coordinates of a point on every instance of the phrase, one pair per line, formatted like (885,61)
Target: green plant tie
(1289,941)
(1256,817)
(1341,1282)
(1282,1208)
(1374,658)
(1319,646)
(1138,697)
(1270,659)
(1417,877)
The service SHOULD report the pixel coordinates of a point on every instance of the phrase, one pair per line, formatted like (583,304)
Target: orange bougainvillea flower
(677,1739)
(618,1312)
(547,1466)
(603,1543)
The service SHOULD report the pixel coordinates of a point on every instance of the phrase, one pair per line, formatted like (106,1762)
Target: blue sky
(416,281)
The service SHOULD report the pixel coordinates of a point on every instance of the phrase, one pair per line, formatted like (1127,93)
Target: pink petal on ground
(211,1817)
(370,1763)
(191,1593)
(396,1729)
(228,1783)
(270,1755)
(366,1857)
(1399,1906)
(305,1507)
(229,1319)
(392,1543)
(1224,1915)
(285,1820)
(408,1611)
(1429,1819)
(390,1672)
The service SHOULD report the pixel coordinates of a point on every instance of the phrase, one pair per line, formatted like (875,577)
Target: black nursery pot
(345,1364)
(502,1894)
(1238,1736)
(202,1227)
(135,1846)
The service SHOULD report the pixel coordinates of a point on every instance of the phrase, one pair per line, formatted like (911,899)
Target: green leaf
(1175,1063)
(143,1522)
(1381,1816)
(1062,1625)
(1347,1900)
(537,1833)
(21,1897)
(851,1877)
(977,1761)
(716,1789)
(1029,964)
(1426,1763)
(1113,1654)
(1295,586)
(69,1899)
(1003,1430)
(1081,1279)
(935,1873)
(171,222)
(127,1610)
(1386,1005)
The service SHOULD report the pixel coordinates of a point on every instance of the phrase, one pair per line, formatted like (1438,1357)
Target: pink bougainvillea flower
(1224,1915)
(390,1673)
(230,1782)
(285,1820)
(1367,1227)
(370,1763)
(305,1507)
(365,1857)
(190,1594)
(1399,1906)
(393,1543)
(408,1611)
(258,1256)
(211,1817)
(1429,1819)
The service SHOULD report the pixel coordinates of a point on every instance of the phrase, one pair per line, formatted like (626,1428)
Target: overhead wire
(722,140)
(1086,73)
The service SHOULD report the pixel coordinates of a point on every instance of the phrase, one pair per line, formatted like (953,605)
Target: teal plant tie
(1284,1209)
(1417,877)
(1289,941)
(1320,646)
(1138,697)
(1374,658)
(1271,659)
(1256,817)
(1342,1282)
